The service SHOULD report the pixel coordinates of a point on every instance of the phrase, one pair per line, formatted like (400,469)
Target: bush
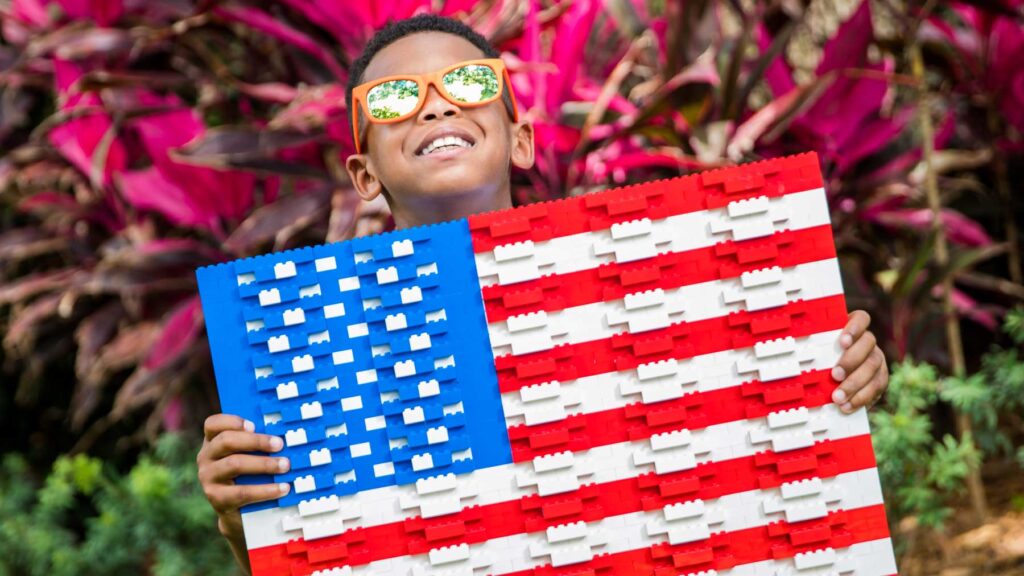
(920,470)
(89,519)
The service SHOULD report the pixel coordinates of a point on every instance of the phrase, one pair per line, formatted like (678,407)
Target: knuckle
(229,443)
(880,382)
(245,492)
(233,465)
(869,336)
(265,443)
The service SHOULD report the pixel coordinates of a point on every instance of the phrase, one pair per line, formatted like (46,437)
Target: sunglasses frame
(424,81)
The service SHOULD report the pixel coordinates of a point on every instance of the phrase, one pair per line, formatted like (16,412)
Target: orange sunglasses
(466,84)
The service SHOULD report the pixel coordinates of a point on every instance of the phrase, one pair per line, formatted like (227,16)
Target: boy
(446,160)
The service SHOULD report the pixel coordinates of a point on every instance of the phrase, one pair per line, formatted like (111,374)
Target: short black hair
(401,28)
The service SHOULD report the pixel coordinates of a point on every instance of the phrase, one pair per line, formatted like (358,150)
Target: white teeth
(445,141)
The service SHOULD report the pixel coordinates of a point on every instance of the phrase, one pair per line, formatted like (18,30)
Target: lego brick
(692,523)
(680,341)
(656,200)
(635,381)
(658,308)
(623,481)
(667,270)
(643,238)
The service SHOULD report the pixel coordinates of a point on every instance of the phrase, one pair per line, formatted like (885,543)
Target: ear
(364,176)
(522,145)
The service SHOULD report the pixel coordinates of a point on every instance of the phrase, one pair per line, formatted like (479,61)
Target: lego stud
(284,270)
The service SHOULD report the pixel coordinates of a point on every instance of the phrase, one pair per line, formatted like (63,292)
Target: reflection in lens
(393,99)
(471,83)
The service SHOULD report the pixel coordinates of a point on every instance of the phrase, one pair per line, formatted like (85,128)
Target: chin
(453,183)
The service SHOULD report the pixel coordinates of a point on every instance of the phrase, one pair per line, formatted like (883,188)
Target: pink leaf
(872,138)
(337,18)
(179,331)
(848,48)
(562,139)
(259,20)
(80,138)
(970,308)
(779,75)
(276,92)
(148,189)
(753,128)
(637,160)
(173,414)
(959,228)
(203,194)
(103,12)
(31,12)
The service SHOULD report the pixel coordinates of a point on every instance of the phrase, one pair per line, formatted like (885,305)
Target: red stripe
(626,351)
(654,200)
(726,550)
(694,411)
(614,281)
(590,503)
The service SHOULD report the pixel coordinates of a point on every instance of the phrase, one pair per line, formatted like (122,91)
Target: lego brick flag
(635,381)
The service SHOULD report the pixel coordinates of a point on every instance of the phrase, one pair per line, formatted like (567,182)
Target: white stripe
(679,233)
(653,310)
(513,481)
(675,379)
(872,558)
(638,530)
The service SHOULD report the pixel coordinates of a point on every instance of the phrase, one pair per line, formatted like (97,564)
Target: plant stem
(1003,188)
(954,342)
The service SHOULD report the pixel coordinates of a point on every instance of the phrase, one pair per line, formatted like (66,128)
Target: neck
(420,211)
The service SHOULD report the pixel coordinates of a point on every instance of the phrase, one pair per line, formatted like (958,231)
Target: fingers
(218,423)
(856,325)
(873,390)
(234,441)
(223,458)
(225,470)
(853,357)
(232,497)
(863,384)
(883,384)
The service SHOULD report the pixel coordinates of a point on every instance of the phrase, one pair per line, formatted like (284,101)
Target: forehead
(420,52)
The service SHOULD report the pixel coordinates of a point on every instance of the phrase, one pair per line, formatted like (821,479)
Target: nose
(436,107)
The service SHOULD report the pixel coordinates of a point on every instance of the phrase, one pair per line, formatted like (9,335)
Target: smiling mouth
(446,144)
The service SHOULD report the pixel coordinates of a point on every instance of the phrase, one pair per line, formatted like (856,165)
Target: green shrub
(88,519)
(920,469)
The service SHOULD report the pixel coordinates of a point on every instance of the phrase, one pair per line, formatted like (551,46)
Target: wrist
(228,529)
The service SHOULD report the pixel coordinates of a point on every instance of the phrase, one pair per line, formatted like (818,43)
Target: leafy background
(141,139)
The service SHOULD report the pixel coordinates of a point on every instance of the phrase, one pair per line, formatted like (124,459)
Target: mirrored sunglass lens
(392,99)
(471,83)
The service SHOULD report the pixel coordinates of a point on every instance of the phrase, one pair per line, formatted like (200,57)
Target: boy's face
(392,161)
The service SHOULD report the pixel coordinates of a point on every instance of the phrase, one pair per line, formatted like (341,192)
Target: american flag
(635,381)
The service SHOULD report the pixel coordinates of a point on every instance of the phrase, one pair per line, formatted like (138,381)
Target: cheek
(499,135)
(386,140)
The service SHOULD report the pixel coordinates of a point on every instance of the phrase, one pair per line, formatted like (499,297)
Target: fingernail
(283,464)
(838,373)
(845,340)
(276,444)
(839,396)
(284,487)
(249,426)
(847,407)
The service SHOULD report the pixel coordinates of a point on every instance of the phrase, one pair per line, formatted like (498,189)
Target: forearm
(238,548)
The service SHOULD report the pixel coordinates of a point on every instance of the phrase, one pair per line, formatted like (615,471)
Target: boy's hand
(222,458)
(862,368)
